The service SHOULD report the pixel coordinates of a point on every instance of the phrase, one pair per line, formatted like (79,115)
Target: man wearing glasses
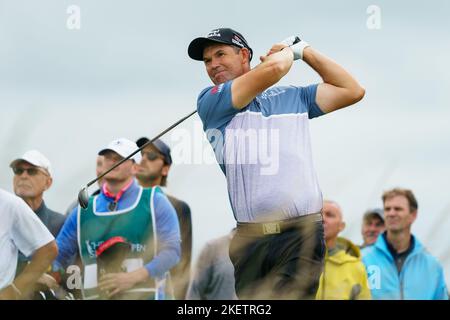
(32,177)
(153,171)
(142,216)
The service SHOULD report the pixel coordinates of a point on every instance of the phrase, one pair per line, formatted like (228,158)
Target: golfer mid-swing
(278,249)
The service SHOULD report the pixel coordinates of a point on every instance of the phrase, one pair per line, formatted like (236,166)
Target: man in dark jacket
(153,171)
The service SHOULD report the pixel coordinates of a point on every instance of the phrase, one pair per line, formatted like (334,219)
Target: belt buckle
(271,228)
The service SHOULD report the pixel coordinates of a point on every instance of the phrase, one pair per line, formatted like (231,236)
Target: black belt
(276,227)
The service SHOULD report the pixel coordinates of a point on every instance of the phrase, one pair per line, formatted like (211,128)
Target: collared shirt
(167,230)
(115,197)
(265,144)
(421,276)
(52,219)
(399,258)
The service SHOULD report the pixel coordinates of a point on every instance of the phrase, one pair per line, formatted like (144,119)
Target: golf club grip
(140,148)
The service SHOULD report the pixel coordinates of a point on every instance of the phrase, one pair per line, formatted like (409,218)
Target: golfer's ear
(245,53)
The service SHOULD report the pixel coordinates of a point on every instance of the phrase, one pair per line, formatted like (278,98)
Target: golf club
(83,195)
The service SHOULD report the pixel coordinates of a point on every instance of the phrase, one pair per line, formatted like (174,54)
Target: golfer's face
(223,63)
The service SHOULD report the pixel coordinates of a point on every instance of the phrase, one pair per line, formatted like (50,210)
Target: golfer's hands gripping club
(294,42)
(297,45)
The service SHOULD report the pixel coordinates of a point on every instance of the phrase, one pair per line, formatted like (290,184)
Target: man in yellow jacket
(344,276)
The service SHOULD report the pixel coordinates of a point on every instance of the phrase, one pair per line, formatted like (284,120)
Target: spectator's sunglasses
(152,155)
(30,171)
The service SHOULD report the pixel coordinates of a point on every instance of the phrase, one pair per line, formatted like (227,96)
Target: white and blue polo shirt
(264,150)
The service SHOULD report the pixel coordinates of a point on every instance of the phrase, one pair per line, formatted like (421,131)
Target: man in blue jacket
(398,265)
(123,209)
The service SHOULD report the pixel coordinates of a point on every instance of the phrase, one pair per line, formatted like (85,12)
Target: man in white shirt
(21,229)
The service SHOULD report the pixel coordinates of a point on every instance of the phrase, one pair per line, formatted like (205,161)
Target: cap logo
(214,33)
(237,41)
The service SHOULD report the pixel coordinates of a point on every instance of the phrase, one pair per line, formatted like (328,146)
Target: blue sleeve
(168,237)
(67,241)
(441,290)
(292,99)
(215,107)
(308,97)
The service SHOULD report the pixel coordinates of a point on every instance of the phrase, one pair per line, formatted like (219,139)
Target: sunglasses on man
(152,155)
(30,171)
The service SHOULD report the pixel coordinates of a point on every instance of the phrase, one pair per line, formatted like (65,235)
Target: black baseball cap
(220,35)
(160,146)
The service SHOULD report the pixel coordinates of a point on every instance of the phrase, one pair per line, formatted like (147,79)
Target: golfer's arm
(339,89)
(40,261)
(246,87)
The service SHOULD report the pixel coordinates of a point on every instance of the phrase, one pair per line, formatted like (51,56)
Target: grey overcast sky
(126,72)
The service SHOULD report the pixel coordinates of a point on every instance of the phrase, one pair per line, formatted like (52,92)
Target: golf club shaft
(139,149)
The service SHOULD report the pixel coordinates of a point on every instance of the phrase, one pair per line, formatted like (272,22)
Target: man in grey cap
(32,177)
(372,226)
(153,171)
